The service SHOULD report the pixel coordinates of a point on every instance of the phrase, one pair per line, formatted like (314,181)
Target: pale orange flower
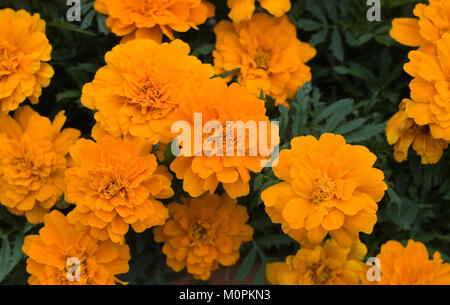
(202,233)
(33,157)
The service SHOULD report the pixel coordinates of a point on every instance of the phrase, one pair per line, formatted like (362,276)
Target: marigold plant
(153,18)
(24,51)
(324,264)
(411,265)
(244,9)
(402,132)
(34,155)
(202,233)
(143,87)
(203,171)
(328,187)
(60,245)
(267,53)
(114,184)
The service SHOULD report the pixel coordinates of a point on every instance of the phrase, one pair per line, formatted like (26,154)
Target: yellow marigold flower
(243,9)
(34,155)
(425,31)
(268,54)
(324,264)
(59,246)
(430,88)
(329,187)
(114,184)
(153,18)
(402,132)
(202,233)
(24,50)
(142,88)
(217,102)
(411,265)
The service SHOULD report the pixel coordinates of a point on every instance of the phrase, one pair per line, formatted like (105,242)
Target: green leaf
(319,37)
(365,133)
(260,276)
(309,25)
(204,49)
(225,74)
(336,45)
(69,27)
(246,266)
(68,95)
(274,240)
(87,20)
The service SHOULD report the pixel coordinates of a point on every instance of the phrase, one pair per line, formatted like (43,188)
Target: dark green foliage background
(357,85)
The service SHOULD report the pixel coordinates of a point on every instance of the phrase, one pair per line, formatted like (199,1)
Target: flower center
(150,6)
(112,187)
(324,189)
(201,232)
(8,60)
(262,59)
(320,274)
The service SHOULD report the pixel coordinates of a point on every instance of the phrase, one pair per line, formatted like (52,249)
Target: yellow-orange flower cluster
(267,53)
(143,87)
(33,157)
(59,246)
(244,9)
(430,68)
(328,187)
(411,265)
(24,51)
(324,264)
(402,132)
(115,184)
(202,233)
(217,102)
(153,18)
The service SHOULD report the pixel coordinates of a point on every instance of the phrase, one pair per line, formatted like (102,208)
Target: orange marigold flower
(268,54)
(329,187)
(402,132)
(202,233)
(425,31)
(34,155)
(411,265)
(153,18)
(217,102)
(59,245)
(430,88)
(324,264)
(142,88)
(114,184)
(24,50)
(243,9)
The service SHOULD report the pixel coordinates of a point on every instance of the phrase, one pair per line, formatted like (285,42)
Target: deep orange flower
(24,51)
(268,54)
(143,87)
(115,184)
(402,132)
(203,171)
(33,157)
(329,187)
(153,18)
(202,233)
(243,9)
(59,245)
(411,265)
(324,264)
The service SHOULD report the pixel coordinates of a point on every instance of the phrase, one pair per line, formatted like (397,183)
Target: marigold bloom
(324,264)
(202,172)
(430,88)
(329,187)
(50,255)
(202,233)
(411,265)
(425,31)
(114,184)
(34,155)
(243,9)
(402,132)
(153,18)
(268,54)
(24,51)
(142,88)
